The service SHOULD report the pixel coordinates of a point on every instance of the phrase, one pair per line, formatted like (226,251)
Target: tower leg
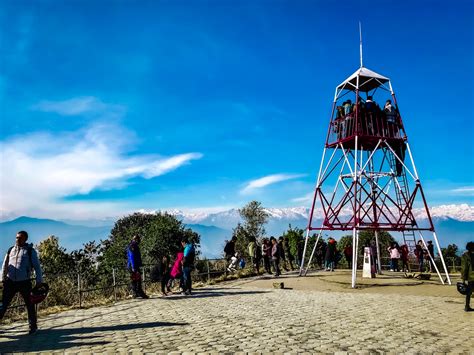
(304,252)
(354,256)
(442,259)
(379,265)
(312,253)
(431,259)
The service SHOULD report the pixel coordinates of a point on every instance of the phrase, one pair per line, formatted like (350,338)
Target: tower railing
(369,125)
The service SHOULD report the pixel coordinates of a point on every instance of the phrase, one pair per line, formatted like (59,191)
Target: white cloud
(39,170)
(77,106)
(465,190)
(308,198)
(268,180)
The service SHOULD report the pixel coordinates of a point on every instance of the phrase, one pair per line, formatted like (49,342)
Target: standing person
(177,270)
(374,255)
(229,249)
(267,254)
(321,253)
(394,256)
(467,273)
(419,253)
(189,254)
(299,251)
(275,256)
(165,275)
(281,250)
(348,255)
(288,255)
(404,257)
(431,253)
(134,263)
(16,276)
(331,251)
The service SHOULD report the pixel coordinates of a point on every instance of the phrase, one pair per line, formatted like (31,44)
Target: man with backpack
(134,263)
(16,276)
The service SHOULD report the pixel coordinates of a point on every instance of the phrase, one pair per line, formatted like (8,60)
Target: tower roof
(368,80)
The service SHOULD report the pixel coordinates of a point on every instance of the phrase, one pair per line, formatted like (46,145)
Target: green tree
(242,239)
(254,219)
(385,239)
(161,234)
(295,236)
(53,258)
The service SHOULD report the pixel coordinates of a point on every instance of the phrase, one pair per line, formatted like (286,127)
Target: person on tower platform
(391,115)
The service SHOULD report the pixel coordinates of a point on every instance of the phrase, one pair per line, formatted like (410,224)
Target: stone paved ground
(240,318)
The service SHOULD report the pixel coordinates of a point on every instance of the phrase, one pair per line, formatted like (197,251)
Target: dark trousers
(469,289)
(137,288)
(10,288)
(266,264)
(276,266)
(187,278)
(164,282)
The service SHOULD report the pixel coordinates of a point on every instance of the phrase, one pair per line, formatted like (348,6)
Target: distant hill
(70,236)
(73,236)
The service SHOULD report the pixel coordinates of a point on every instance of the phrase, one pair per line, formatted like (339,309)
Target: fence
(76,289)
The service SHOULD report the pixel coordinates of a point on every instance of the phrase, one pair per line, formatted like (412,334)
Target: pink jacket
(177,268)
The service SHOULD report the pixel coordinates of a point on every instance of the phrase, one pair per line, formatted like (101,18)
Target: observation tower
(367,178)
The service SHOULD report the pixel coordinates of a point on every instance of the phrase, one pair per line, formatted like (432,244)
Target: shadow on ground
(63,339)
(203,293)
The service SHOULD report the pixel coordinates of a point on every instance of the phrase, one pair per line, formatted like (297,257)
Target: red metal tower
(367,179)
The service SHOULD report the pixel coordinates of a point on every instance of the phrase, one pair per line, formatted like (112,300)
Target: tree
(242,239)
(161,234)
(385,240)
(295,236)
(53,258)
(254,217)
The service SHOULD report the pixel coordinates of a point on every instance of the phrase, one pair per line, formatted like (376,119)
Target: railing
(72,289)
(369,124)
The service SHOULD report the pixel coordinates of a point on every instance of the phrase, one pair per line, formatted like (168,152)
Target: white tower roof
(365,78)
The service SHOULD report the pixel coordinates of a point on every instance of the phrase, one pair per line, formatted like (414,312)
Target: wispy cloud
(308,198)
(268,180)
(77,106)
(41,169)
(465,190)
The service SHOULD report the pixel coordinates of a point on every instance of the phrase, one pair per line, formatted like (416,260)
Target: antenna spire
(360,36)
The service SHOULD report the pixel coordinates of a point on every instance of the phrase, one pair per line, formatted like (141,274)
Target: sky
(108,107)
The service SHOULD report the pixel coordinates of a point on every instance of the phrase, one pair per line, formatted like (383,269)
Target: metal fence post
(208,272)
(79,289)
(113,277)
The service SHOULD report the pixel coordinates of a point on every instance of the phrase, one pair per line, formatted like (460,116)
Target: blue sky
(113,106)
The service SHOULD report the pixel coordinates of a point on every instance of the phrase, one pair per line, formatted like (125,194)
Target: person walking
(275,256)
(134,263)
(419,253)
(467,273)
(189,254)
(165,275)
(16,276)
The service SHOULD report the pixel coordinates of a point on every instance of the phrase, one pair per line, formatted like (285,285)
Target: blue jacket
(189,254)
(134,257)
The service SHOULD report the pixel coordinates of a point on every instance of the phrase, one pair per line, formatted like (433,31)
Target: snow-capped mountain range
(229,218)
